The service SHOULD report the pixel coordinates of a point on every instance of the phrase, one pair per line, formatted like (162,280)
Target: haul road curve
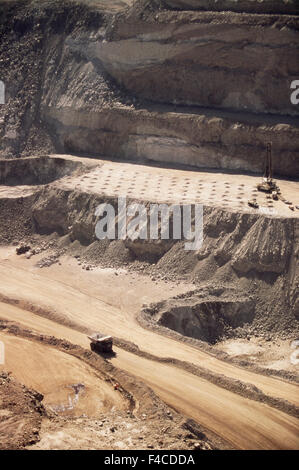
(244,423)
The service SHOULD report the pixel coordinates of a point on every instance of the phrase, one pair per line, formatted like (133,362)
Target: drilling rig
(268,185)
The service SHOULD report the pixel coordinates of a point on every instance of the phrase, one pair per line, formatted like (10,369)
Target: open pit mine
(128,129)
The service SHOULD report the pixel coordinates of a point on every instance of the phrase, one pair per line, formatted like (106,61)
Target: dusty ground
(247,254)
(21,413)
(66,296)
(275,354)
(58,291)
(68,385)
(205,341)
(103,416)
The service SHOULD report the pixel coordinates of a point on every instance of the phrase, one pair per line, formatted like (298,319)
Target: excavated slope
(248,6)
(247,268)
(202,88)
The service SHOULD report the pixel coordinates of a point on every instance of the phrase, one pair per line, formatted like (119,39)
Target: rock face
(259,253)
(34,171)
(246,270)
(187,59)
(241,6)
(225,60)
(247,264)
(154,82)
(198,139)
(205,320)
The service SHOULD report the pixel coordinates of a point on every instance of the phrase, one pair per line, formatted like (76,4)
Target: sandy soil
(243,423)
(276,355)
(16,192)
(55,375)
(88,110)
(87,300)
(21,413)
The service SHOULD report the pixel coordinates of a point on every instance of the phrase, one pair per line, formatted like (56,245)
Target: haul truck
(100,343)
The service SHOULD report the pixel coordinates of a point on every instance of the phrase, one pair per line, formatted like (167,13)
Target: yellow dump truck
(100,343)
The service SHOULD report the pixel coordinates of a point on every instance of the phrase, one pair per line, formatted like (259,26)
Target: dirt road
(59,377)
(79,298)
(86,298)
(245,424)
